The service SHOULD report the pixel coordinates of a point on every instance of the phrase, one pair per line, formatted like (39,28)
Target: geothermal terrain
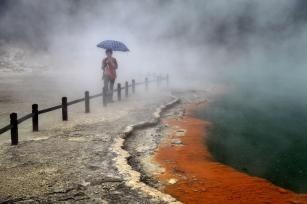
(72,161)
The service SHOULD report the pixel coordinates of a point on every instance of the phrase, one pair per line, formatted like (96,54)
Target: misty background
(255,50)
(253,42)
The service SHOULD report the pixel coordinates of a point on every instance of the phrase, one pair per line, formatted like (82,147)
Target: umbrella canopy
(113,45)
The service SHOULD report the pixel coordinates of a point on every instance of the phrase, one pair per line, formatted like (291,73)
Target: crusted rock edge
(130,176)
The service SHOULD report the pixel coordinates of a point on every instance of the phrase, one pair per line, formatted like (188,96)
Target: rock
(84,183)
(172,181)
(177,142)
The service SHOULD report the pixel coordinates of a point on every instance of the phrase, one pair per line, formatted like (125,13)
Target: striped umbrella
(113,45)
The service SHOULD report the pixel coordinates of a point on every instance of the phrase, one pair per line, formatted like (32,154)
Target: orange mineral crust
(192,176)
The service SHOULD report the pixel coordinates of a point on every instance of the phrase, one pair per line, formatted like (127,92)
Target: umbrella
(113,45)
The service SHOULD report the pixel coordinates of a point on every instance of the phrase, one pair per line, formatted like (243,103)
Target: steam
(257,47)
(196,38)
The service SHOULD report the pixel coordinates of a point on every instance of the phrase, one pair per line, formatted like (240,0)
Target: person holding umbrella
(109,67)
(109,64)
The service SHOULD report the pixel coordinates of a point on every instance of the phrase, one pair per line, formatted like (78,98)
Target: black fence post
(104,96)
(64,109)
(87,101)
(14,129)
(133,86)
(126,88)
(35,117)
(146,84)
(119,92)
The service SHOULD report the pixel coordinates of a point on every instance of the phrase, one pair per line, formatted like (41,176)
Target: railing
(14,121)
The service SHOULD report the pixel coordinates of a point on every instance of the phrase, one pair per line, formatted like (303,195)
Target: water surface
(262,136)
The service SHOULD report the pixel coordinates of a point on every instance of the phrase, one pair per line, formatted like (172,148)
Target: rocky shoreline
(132,177)
(143,143)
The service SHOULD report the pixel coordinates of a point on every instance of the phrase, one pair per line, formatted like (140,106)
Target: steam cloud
(232,40)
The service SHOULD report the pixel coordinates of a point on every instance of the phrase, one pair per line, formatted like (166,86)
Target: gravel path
(73,162)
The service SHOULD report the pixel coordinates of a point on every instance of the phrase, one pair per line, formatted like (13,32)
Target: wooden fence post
(146,84)
(133,86)
(119,92)
(34,117)
(64,109)
(126,89)
(14,129)
(87,101)
(104,97)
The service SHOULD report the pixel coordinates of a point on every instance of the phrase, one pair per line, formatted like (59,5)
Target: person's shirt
(108,68)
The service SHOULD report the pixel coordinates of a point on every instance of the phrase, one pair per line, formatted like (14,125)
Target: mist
(254,48)
(236,41)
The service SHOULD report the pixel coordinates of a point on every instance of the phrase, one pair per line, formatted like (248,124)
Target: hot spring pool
(262,137)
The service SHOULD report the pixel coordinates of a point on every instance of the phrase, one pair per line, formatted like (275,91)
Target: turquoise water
(262,136)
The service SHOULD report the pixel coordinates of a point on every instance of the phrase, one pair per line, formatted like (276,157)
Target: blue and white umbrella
(113,45)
